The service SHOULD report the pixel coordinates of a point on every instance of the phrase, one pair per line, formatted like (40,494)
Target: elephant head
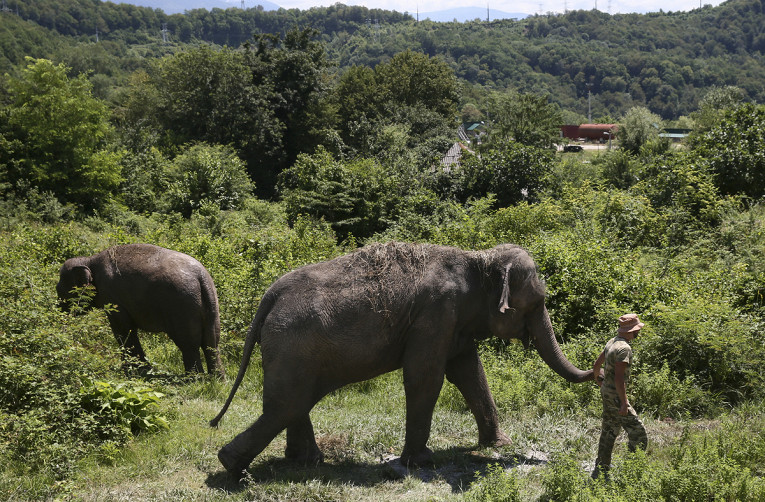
(521,312)
(73,275)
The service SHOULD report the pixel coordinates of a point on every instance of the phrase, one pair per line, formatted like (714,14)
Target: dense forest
(665,61)
(258,142)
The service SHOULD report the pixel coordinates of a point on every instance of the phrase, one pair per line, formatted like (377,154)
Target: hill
(463,14)
(181,6)
(664,61)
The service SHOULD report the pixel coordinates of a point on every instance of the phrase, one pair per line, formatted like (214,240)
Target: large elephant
(384,307)
(153,289)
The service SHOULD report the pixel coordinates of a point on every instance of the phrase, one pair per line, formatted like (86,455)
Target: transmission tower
(5,7)
(164,33)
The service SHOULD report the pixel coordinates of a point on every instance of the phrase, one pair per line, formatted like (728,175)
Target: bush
(513,173)
(207,175)
(496,485)
(706,343)
(663,394)
(122,409)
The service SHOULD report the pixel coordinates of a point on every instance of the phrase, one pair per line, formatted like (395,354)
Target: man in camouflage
(616,360)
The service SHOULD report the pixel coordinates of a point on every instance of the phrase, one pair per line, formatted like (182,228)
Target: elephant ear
(82,276)
(505,298)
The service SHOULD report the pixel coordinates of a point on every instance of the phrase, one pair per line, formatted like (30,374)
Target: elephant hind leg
(192,362)
(214,364)
(286,405)
(301,442)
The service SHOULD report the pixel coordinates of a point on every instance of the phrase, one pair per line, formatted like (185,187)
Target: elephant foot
(422,458)
(497,440)
(235,464)
(309,456)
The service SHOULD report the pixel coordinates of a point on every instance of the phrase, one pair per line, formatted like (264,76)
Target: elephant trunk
(541,330)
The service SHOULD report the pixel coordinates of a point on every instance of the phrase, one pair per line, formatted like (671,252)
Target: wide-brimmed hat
(629,323)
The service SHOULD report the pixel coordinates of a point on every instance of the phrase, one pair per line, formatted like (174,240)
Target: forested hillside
(260,142)
(665,61)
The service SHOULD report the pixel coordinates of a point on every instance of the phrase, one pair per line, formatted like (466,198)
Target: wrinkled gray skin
(384,307)
(154,289)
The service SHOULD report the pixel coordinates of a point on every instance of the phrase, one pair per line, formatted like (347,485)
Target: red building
(592,132)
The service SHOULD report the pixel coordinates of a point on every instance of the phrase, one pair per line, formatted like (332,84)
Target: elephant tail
(253,337)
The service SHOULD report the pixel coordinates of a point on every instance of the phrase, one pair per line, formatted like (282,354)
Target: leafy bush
(705,343)
(663,394)
(496,485)
(358,198)
(122,408)
(56,137)
(702,466)
(512,172)
(206,175)
(733,149)
(563,480)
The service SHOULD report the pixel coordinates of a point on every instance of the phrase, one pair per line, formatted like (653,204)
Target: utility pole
(589,104)
(164,33)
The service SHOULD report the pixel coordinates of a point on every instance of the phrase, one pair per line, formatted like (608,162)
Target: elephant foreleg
(301,442)
(127,337)
(422,386)
(466,372)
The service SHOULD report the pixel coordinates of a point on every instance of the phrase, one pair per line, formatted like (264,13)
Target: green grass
(360,429)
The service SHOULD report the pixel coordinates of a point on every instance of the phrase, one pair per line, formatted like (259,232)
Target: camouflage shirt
(617,350)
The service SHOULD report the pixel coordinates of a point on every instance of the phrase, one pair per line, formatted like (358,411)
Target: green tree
(412,78)
(412,93)
(639,127)
(734,150)
(57,137)
(292,75)
(357,198)
(206,174)
(527,119)
(512,172)
(713,104)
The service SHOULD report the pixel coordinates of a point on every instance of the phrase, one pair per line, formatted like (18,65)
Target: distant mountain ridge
(461,14)
(179,6)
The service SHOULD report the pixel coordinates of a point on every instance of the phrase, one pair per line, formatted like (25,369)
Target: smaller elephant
(153,289)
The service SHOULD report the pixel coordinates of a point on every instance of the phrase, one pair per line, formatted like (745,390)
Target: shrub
(513,173)
(563,479)
(495,485)
(662,393)
(208,174)
(706,343)
(122,408)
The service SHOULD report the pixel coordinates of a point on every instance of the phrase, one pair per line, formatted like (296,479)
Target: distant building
(452,158)
(592,132)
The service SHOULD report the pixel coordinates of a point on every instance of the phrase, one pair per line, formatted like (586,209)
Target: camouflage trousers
(612,425)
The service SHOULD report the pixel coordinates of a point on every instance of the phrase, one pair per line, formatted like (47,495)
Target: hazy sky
(523,6)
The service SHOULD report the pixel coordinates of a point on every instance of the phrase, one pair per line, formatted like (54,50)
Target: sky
(523,6)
